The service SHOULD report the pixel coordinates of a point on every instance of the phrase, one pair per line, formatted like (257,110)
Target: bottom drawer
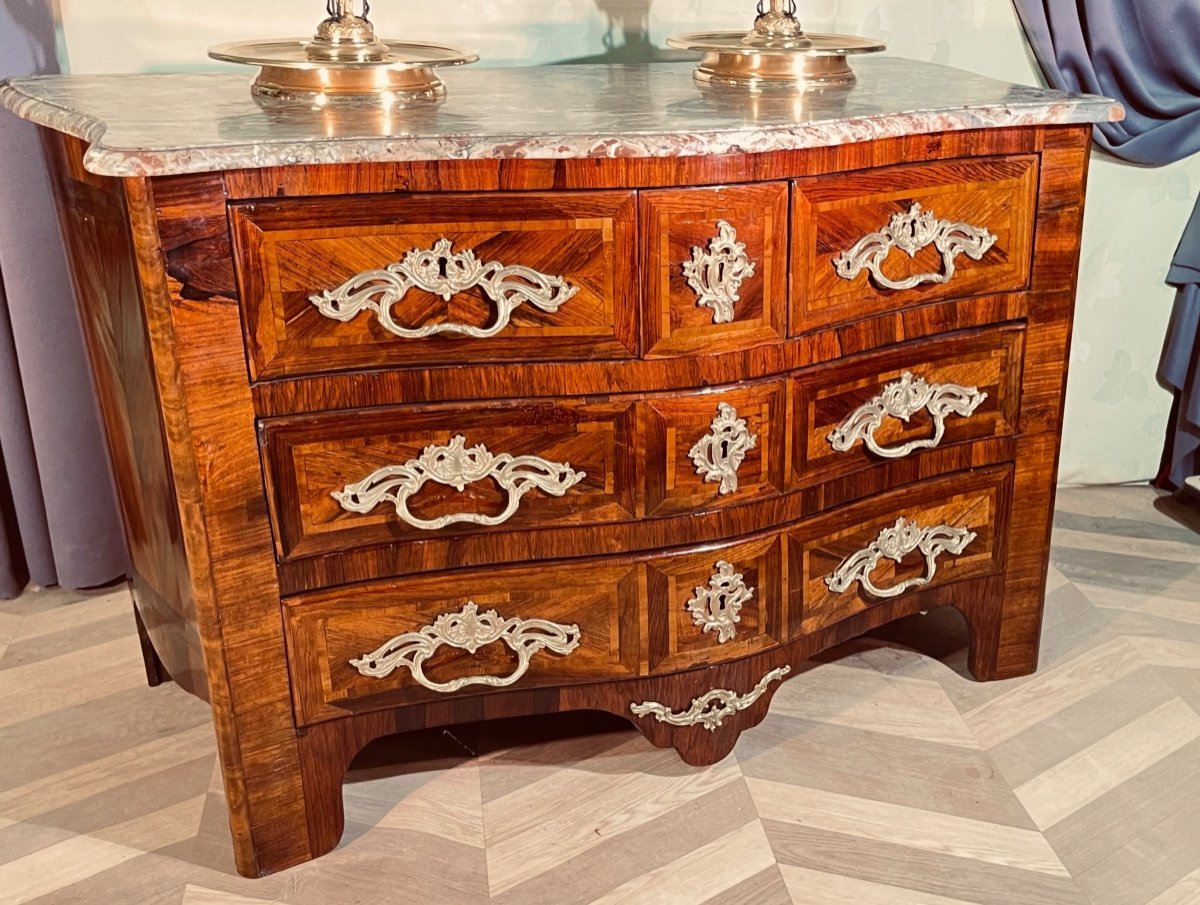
(424,638)
(355,649)
(911,539)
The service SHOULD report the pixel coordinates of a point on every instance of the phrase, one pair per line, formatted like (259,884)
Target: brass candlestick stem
(344,61)
(776,53)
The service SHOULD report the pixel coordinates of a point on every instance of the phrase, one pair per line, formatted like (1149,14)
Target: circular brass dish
(403,70)
(345,62)
(777,53)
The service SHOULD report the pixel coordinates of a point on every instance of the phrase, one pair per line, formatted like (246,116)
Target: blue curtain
(59,522)
(1146,54)
(1180,368)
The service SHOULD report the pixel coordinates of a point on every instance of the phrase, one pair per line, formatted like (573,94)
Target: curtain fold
(1180,368)
(1147,56)
(58,518)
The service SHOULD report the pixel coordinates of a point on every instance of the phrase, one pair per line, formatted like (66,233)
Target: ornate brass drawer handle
(710,710)
(716,274)
(911,232)
(718,607)
(719,454)
(903,399)
(456,466)
(443,272)
(468,630)
(895,543)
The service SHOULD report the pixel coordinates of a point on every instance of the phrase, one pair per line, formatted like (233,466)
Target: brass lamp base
(348,86)
(404,73)
(777,54)
(345,63)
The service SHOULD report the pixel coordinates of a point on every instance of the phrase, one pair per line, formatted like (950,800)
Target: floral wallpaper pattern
(1116,411)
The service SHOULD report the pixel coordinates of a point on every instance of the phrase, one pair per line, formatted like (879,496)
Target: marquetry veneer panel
(974,502)
(746,424)
(289,251)
(678,641)
(617,459)
(309,459)
(325,631)
(708,289)
(753,587)
(832,214)
(988,362)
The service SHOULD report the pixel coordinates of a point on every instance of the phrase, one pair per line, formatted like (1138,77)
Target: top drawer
(877,240)
(714,268)
(369,281)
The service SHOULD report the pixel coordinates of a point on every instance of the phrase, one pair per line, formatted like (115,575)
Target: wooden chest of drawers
(408,444)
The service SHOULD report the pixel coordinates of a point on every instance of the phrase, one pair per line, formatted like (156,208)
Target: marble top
(153,125)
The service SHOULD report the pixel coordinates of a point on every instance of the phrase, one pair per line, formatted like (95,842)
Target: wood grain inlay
(289,251)
(831,214)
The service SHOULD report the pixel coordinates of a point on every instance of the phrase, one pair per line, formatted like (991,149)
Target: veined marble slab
(155,125)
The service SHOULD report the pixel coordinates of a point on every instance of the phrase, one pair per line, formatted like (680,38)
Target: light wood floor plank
(813,887)
(77,614)
(52,792)
(449,806)
(1028,701)
(61,671)
(1101,767)
(1055,580)
(933,873)
(1129,844)
(9,627)
(671,833)
(911,827)
(879,767)
(162,828)
(1167,652)
(59,866)
(764,888)
(1146,548)
(1070,730)
(544,825)
(865,699)
(1184,892)
(78,677)
(1180,609)
(701,873)
(198,895)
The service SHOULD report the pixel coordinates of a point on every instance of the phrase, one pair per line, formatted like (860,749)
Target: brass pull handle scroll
(910,232)
(468,630)
(457,466)
(442,271)
(903,399)
(895,543)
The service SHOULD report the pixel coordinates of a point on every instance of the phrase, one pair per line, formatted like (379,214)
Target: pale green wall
(1116,412)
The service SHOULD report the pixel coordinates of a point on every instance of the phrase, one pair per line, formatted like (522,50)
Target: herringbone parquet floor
(882,776)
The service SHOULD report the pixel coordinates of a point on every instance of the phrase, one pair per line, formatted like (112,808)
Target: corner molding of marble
(211,123)
(16,96)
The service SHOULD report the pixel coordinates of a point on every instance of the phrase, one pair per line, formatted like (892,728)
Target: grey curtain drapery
(1180,369)
(1147,56)
(58,517)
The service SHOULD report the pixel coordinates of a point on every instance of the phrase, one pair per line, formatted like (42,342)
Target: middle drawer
(354,479)
(343,481)
(361,478)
